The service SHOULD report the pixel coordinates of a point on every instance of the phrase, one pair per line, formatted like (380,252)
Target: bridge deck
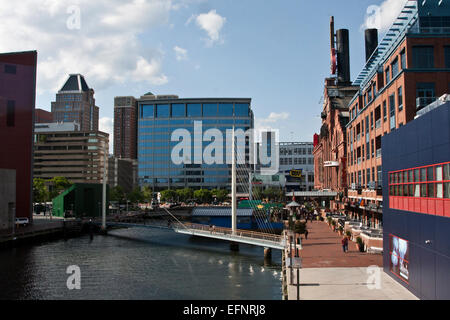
(260,239)
(241,236)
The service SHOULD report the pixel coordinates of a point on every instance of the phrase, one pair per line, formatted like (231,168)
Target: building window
(423,57)
(447,56)
(388,79)
(147,111)
(162,111)
(392,111)
(428,182)
(384,111)
(210,109)
(241,109)
(403,59)
(178,110)
(425,93)
(400,99)
(194,110)
(394,68)
(10,113)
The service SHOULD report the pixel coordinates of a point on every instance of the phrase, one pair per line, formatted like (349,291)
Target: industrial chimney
(343,56)
(371,36)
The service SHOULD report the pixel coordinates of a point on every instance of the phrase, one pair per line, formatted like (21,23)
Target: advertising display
(399,252)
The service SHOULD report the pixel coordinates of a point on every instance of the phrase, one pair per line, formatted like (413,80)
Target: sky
(273,51)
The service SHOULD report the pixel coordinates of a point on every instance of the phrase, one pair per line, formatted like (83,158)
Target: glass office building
(160,116)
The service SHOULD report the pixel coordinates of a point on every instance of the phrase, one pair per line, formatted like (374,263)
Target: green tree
(147,194)
(117,194)
(168,195)
(59,184)
(40,191)
(220,194)
(185,194)
(135,196)
(203,195)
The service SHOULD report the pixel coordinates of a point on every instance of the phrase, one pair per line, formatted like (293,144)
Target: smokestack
(343,56)
(371,36)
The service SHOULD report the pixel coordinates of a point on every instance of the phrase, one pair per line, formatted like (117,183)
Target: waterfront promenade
(330,274)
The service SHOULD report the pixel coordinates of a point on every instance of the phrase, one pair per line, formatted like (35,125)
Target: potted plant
(349,235)
(359,244)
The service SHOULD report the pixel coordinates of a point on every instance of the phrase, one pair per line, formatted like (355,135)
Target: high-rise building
(125,127)
(17,103)
(75,103)
(159,116)
(123,173)
(78,156)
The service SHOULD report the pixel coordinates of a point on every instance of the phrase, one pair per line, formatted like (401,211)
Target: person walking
(306,234)
(344,243)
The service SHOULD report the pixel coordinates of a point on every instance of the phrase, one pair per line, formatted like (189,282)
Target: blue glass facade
(159,118)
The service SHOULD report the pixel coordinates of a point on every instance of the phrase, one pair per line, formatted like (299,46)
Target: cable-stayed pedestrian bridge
(266,240)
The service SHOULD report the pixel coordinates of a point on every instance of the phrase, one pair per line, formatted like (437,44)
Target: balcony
(423,102)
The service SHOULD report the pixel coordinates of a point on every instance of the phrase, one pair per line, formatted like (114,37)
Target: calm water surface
(140,264)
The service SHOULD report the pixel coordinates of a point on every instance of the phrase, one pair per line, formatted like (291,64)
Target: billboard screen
(399,253)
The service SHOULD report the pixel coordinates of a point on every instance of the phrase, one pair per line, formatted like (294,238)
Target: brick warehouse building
(17,103)
(408,70)
(416,197)
(330,149)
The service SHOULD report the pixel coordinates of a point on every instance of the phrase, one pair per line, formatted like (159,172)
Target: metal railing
(424,101)
(228,232)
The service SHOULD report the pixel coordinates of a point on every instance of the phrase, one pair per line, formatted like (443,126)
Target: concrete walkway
(330,274)
(347,284)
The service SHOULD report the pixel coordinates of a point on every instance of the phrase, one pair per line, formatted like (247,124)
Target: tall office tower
(125,127)
(75,102)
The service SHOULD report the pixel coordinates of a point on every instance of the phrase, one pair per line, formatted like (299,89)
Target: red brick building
(17,103)
(409,70)
(42,116)
(330,150)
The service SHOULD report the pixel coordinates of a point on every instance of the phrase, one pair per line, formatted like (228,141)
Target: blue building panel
(426,232)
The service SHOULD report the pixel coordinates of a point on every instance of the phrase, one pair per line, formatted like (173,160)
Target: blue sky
(275,52)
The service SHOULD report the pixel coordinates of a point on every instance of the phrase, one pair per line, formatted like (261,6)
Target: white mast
(233,187)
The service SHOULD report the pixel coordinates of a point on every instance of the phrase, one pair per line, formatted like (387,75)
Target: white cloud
(212,23)
(105,48)
(381,17)
(107,125)
(271,121)
(180,53)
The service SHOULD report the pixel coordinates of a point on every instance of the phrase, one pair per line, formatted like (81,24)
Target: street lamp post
(105,164)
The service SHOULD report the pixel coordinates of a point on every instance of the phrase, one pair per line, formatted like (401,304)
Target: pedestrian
(306,234)
(344,243)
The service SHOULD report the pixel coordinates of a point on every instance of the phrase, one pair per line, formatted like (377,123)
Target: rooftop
(75,82)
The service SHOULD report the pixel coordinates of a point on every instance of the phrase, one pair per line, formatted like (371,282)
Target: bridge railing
(228,231)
